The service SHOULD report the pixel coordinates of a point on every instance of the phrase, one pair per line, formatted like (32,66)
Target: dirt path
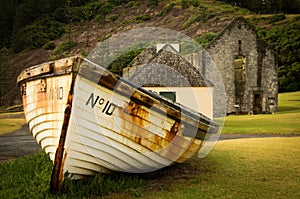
(21,142)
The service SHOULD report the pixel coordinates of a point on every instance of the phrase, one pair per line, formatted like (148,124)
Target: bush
(123,61)
(142,18)
(37,34)
(166,9)
(49,45)
(201,16)
(152,3)
(187,3)
(289,77)
(188,47)
(63,47)
(206,38)
(61,15)
(112,17)
(52,58)
(276,18)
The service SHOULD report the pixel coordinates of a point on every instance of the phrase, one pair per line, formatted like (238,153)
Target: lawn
(245,168)
(239,168)
(10,122)
(286,121)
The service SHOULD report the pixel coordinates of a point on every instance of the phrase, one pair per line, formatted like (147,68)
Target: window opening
(169,95)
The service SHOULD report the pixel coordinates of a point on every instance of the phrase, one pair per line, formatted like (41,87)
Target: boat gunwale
(45,75)
(50,73)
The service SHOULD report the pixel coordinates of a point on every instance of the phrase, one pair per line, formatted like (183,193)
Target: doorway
(257,102)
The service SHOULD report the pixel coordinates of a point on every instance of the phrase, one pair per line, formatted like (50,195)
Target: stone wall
(247,65)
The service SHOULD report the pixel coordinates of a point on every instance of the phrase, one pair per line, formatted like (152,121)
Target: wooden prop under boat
(89,120)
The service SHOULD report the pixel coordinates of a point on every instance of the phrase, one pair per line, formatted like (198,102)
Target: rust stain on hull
(173,146)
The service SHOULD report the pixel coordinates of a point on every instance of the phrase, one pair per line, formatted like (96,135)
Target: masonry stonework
(247,65)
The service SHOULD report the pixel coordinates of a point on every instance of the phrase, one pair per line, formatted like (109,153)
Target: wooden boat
(89,120)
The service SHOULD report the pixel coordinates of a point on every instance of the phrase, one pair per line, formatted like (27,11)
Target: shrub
(206,38)
(49,45)
(276,18)
(64,47)
(152,3)
(187,3)
(52,58)
(37,34)
(112,17)
(202,15)
(142,18)
(123,61)
(166,9)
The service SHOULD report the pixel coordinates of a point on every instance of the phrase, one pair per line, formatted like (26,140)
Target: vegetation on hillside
(32,24)
(268,6)
(282,33)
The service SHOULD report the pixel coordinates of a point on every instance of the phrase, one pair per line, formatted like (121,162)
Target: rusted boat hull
(89,120)
(44,100)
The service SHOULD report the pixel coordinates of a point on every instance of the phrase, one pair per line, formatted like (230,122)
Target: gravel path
(21,142)
(17,144)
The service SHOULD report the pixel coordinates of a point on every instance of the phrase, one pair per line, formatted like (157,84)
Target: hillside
(85,26)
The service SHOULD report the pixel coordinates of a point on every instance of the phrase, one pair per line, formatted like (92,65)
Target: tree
(6,74)
(6,22)
(286,42)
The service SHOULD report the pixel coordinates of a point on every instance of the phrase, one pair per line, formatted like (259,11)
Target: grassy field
(10,122)
(286,121)
(239,168)
(245,168)
(29,177)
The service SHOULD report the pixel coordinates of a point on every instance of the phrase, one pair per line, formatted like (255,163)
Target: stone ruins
(248,67)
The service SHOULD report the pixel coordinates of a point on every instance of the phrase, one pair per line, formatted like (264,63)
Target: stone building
(163,71)
(247,65)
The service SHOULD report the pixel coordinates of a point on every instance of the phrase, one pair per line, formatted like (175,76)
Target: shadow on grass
(123,185)
(288,109)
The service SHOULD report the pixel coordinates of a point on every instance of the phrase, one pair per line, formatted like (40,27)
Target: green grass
(10,122)
(286,121)
(240,168)
(245,168)
(26,177)
(29,177)
(289,102)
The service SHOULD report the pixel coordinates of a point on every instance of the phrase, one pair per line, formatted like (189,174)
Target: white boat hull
(89,126)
